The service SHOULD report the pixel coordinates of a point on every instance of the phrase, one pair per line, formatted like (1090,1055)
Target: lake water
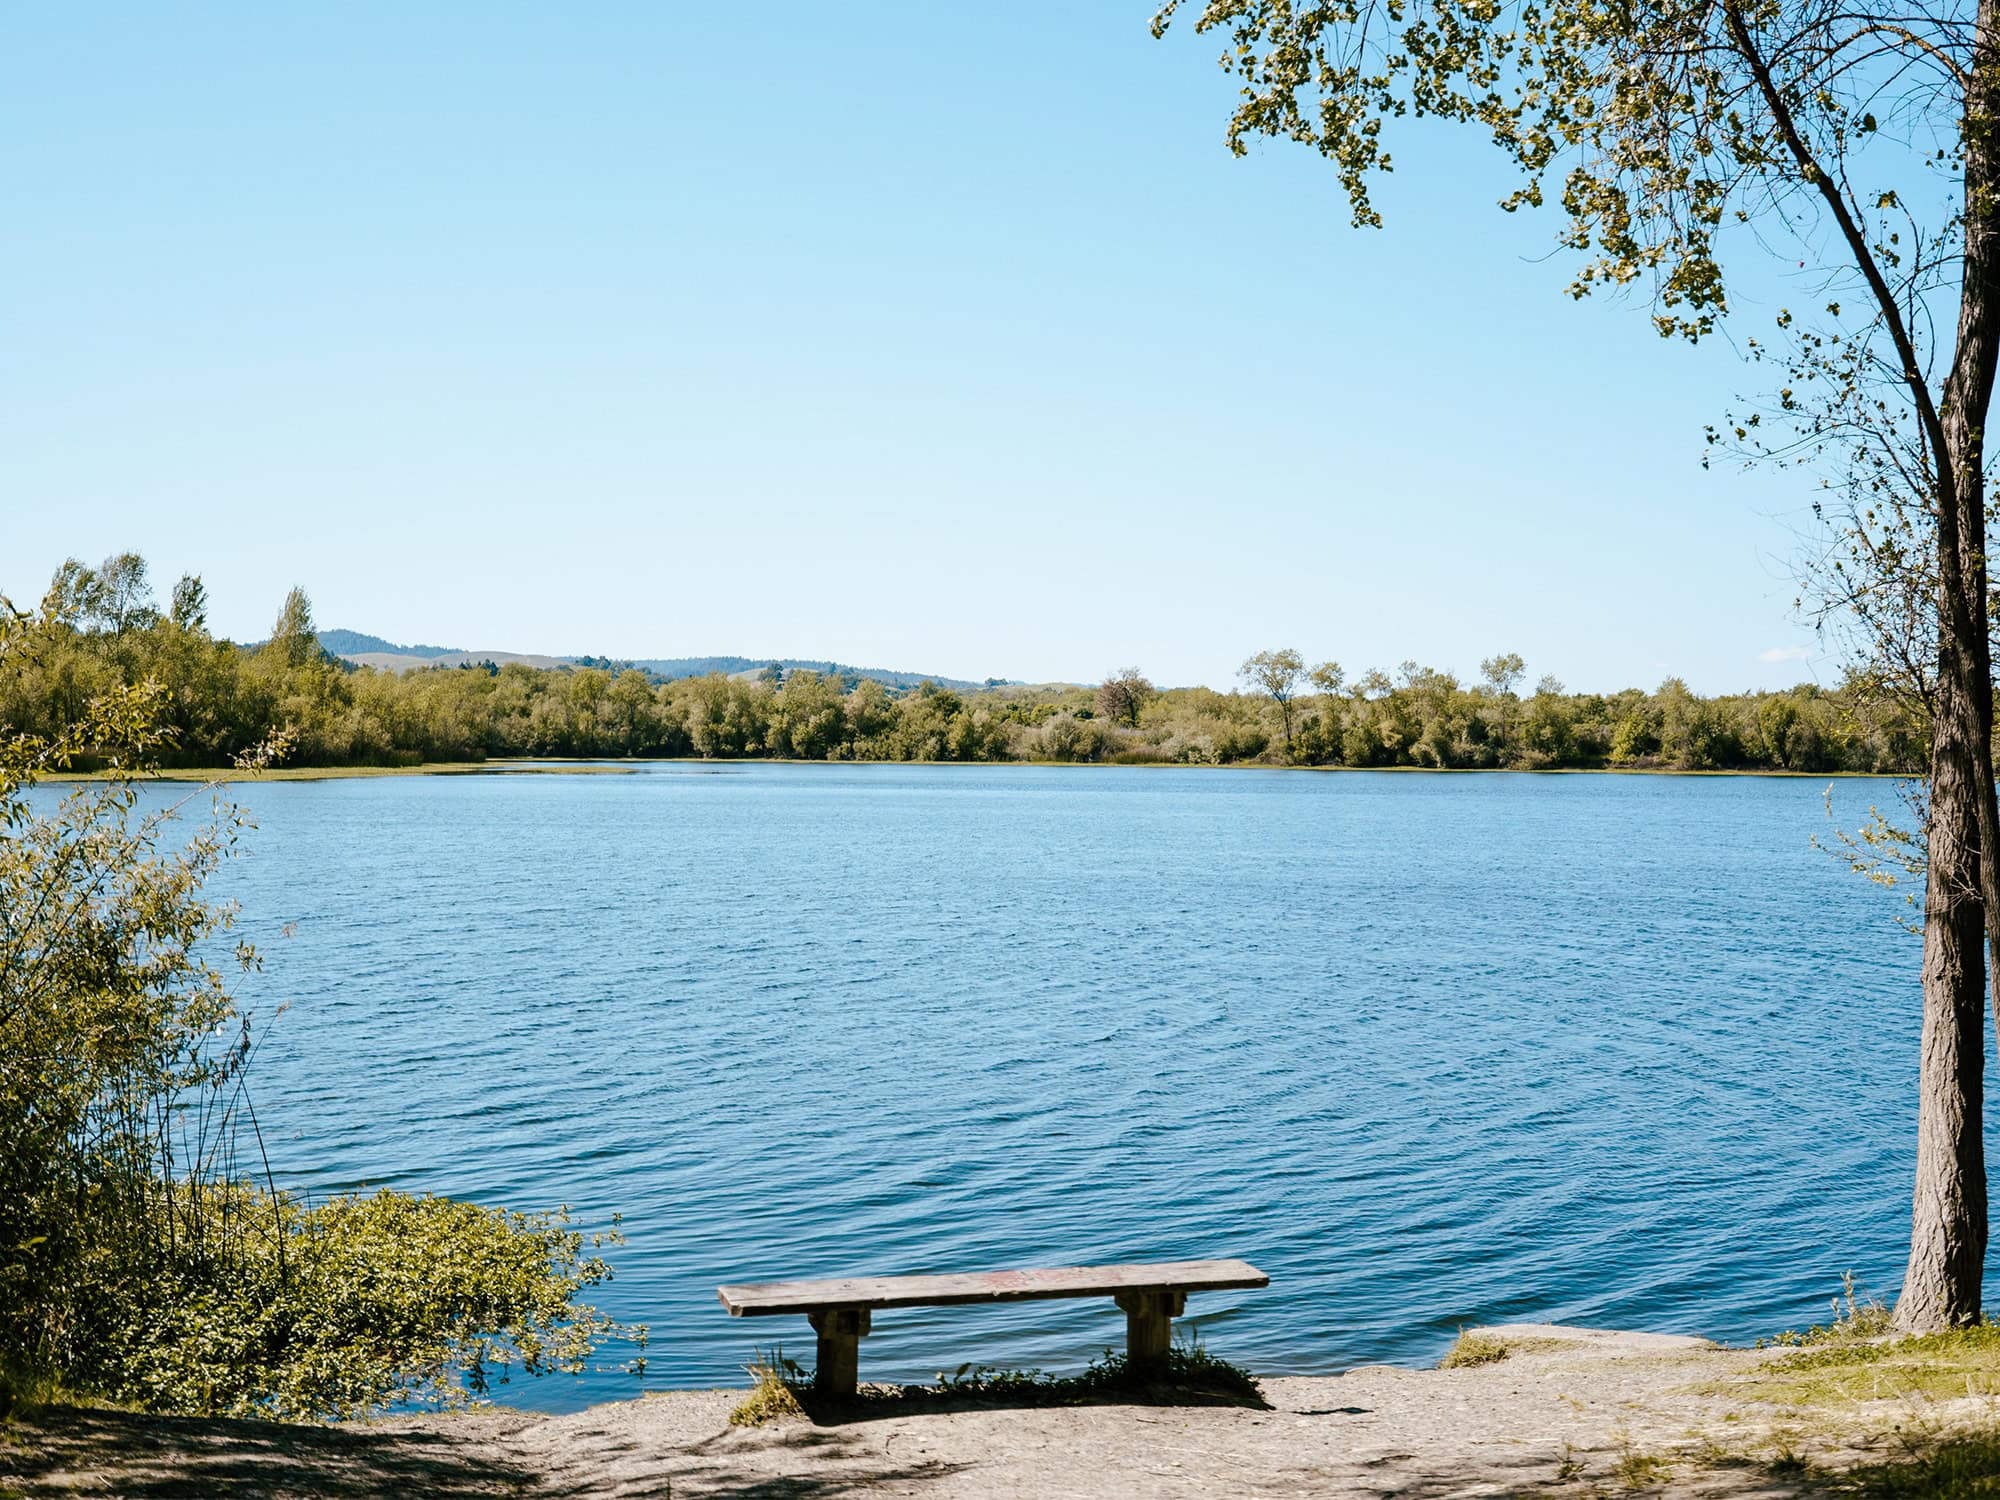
(1431,1050)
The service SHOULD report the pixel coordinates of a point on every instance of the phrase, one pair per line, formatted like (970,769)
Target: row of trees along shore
(222,700)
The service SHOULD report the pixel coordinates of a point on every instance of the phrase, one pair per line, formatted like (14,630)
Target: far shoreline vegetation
(290,705)
(627,765)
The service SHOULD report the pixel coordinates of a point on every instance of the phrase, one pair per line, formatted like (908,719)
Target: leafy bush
(1066,737)
(137,1261)
(347,1306)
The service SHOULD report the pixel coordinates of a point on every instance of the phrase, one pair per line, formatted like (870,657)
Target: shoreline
(202,775)
(626,766)
(1560,1411)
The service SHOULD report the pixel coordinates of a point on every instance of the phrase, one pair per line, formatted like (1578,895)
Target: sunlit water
(1431,1050)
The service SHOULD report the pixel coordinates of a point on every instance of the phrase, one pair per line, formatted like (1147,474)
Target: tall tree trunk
(1962,895)
(1941,1287)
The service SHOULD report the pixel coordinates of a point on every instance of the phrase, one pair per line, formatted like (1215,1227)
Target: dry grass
(773,1397)
(1475,1347)
(1472,1349)
(1641,1471)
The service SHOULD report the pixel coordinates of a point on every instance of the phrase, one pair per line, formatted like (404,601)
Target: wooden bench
(1152,1296)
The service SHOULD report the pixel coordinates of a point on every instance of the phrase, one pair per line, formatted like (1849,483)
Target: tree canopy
(1848,152)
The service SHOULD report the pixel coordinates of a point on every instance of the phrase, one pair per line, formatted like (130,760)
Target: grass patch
(1858,1357)
(1933,1366)
(774,1392)
(1476,1347)
(1952,1468)
(1641,1471)
(24,1390)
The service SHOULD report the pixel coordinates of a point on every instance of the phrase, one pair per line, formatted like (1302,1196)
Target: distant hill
(401,661)
(359,642)
(668,668)
(366,650)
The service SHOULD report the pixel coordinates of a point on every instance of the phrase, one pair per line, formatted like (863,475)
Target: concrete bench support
(840,1331)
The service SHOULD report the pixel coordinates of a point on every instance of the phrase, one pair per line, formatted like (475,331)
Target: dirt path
(1578,1413)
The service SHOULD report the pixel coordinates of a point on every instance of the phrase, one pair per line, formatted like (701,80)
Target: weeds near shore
(1953,1365)
(1854,1318)
(1834,1378)
(1472,1349)
(1187,1370)
(1475,1347)
(25,1391)
(1857,1357)
(1187,1374)
(774,1383)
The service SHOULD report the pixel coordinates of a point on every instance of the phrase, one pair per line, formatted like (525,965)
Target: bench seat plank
(759,1298)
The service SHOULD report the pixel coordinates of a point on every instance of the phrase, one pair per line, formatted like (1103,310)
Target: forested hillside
(223,699)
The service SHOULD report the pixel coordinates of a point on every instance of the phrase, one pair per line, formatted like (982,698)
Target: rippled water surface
(1431,1050)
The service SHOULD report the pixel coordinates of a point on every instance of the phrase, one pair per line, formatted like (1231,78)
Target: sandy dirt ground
(1596,1413)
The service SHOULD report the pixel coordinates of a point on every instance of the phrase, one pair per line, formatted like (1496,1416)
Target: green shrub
(137,1263)
(349,1305)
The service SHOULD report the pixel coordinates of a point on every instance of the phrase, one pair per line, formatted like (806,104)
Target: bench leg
(1149,1326)
(840,1331)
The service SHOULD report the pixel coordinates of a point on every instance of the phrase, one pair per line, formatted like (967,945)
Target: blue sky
(935,337)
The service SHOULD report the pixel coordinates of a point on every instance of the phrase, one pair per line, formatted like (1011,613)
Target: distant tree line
(288,695)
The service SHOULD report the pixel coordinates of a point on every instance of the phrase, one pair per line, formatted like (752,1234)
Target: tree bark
(1942,1285)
